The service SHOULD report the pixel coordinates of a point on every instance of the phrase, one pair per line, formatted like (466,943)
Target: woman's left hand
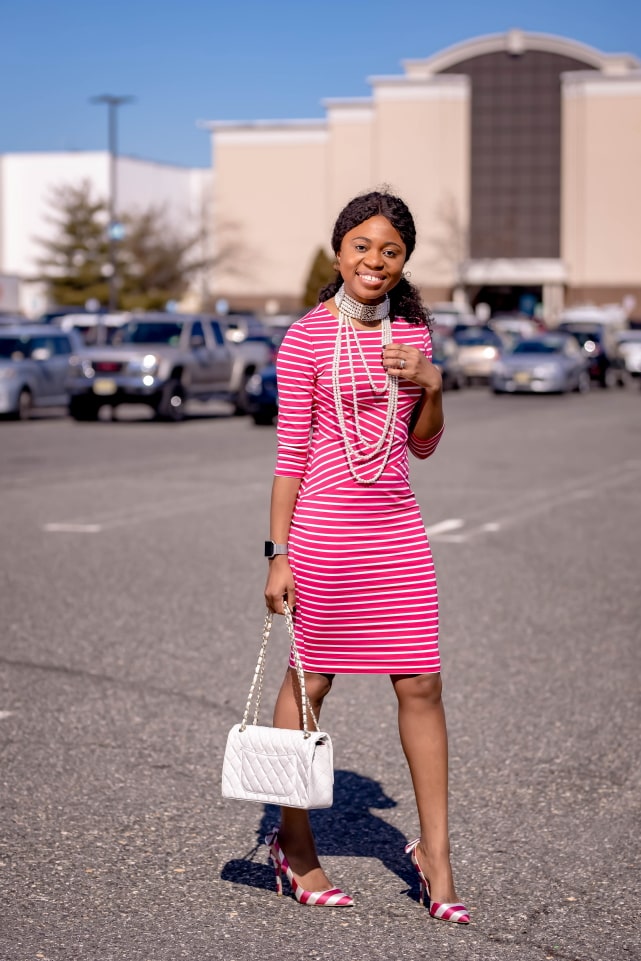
(410,363)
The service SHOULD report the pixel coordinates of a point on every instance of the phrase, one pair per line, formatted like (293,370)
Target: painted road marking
(536,502)
(444,527)
(5,714)
(73,528)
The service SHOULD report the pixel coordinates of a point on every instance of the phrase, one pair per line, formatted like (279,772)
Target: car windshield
(14,348)
(547,345)
(471,337)
(585,336)
(149,332)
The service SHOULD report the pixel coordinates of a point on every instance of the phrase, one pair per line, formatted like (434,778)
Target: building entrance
(509,299)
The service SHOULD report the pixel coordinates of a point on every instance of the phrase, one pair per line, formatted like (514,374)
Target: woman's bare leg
(295,833)
(421,723)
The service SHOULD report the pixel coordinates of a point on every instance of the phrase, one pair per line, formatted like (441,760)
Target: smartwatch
(272,549)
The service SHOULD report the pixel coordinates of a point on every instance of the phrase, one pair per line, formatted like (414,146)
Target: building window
(516,152)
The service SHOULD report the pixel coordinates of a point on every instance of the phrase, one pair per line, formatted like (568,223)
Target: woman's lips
(371,280)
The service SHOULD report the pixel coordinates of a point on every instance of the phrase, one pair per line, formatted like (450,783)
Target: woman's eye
(360,247)
(390,253)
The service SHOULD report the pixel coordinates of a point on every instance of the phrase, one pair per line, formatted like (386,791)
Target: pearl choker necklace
(364,313)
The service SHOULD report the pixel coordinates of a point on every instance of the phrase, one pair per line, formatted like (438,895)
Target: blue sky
(186,60)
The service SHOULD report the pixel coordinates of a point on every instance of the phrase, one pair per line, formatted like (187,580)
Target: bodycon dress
(366,597)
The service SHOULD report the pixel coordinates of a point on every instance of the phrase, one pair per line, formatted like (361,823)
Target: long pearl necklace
(349,308)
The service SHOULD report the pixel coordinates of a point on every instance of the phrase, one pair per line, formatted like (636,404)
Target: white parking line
(5,714)
(443,527)
(536,502)
(73,528)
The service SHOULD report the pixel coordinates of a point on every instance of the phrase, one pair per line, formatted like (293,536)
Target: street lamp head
(112,99)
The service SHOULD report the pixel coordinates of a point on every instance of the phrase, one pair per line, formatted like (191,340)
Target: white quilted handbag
(273,765)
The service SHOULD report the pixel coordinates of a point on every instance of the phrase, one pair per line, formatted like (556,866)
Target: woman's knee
(317,686)
(426,688)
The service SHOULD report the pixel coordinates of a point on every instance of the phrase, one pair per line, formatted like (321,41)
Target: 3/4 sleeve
(296,377)
(418,447)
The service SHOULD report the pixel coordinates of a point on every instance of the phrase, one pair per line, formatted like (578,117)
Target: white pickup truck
(164,360)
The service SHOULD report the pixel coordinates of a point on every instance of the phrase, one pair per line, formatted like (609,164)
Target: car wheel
(608,378)
(171,403)
(83,408)
(240,400)
(263,418)
(583,384)
(25,404)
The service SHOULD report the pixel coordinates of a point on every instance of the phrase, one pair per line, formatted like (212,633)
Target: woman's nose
(373,259)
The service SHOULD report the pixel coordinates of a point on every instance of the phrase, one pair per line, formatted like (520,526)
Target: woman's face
(371,260)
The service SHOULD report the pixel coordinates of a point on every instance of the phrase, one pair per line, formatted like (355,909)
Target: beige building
(518,153)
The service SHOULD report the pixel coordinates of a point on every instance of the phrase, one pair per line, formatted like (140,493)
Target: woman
(349,549)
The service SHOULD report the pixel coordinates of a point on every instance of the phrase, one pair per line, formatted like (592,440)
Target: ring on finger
(401,363)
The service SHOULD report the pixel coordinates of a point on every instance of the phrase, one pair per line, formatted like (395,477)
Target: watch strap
(272,549)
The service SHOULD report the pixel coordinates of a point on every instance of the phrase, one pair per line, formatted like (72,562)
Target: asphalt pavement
(130,616)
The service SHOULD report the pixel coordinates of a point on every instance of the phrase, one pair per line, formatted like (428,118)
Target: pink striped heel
(334,898)
(443,911)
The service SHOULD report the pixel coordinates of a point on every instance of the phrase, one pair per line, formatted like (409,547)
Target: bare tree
(450,241)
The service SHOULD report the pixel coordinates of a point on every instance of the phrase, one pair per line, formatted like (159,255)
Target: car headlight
(79,367)
(490,352)
(148,365)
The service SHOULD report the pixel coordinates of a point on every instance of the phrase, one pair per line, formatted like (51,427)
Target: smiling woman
(357,392)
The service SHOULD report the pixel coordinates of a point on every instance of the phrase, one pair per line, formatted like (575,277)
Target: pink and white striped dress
(366,597)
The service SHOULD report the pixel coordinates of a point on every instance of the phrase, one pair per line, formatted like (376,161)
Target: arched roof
(517,42)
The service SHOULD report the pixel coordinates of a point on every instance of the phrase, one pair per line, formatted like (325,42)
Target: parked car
(547,364)
(162,360)
(34,368)
(599,344)
(445,356)
(479,348)
(629,342)
(448,315)
(262,390)
(12,320)
(514,327)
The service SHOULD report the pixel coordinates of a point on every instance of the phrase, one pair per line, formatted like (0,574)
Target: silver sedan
(551,363)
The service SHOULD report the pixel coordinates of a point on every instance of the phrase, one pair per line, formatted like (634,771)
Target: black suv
(600,345)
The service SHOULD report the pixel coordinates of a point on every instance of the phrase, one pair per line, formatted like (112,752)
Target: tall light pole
(115,229)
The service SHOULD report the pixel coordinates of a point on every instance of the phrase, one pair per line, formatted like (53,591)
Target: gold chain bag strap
(274,765)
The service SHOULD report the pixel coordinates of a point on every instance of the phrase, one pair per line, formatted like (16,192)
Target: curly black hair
(405,300)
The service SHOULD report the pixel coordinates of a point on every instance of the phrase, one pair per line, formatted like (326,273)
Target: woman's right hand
(280,585)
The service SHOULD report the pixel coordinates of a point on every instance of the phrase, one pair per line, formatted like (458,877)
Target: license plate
(104,386)
(522,377)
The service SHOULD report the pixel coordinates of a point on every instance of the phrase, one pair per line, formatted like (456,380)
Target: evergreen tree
(153,263)
(320,273)
(74,260)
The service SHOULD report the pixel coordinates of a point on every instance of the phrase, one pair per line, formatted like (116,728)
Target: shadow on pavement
(348,829)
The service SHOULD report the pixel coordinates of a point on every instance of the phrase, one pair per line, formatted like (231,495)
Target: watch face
(269,548)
